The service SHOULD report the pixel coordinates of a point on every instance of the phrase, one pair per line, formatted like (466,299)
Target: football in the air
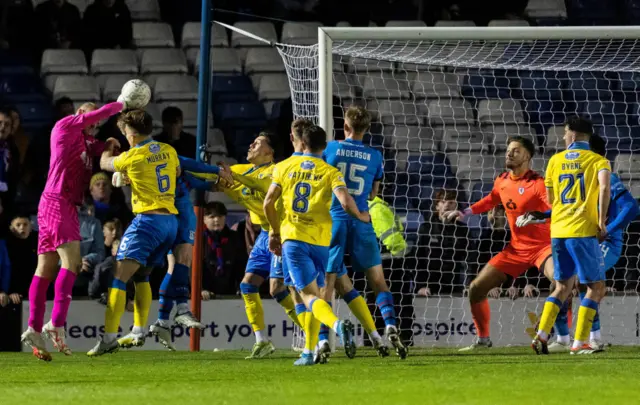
(136,93)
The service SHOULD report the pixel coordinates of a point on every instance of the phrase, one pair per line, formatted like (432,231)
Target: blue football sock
(166,300)
(324,330)
(562,320)
(384,301)
(180,283)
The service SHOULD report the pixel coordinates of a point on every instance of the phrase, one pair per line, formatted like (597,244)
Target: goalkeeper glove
(531,217)
(122,99)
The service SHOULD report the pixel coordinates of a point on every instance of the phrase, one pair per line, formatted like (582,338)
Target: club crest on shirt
(521,190)
(572,155)
(307,165)
(154,148)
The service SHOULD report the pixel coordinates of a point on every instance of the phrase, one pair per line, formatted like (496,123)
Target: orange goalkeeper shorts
(515,262)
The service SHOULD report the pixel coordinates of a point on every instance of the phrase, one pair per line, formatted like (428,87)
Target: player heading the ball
(306,184)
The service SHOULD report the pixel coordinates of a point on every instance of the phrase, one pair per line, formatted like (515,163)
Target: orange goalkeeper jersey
(519,195)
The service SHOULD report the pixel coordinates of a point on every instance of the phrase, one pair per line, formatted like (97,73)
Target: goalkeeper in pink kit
(72,150)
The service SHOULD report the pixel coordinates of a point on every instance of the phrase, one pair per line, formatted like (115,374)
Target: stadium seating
(189,113)
(296,33)
(159,61)
(223,60)
(191,35)
(273,87)
(152,35)
(77,88)
(144,10)
(175,88)
(114,61)
(23,88)
(63,61)
(263,60)
(264,30)
(112,86)
(232,89)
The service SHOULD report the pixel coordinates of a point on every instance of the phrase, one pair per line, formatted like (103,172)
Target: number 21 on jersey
(570,181)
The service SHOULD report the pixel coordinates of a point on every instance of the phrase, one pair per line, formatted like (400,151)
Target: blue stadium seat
(232,89)
(35,115)
(631,11)
(434,165)
(21,88)
(621,138)
(591,12)
(588,86)
(485,84)
(241,115)
(545,113)
(413,221)
(479,190)
(605,112)
(13,64)
(541,86)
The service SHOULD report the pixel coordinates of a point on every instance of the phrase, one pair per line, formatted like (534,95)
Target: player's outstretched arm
(604,180)
(627,212)
(107,158)
(349,204)
(261,185)
(93,117)
(273,218)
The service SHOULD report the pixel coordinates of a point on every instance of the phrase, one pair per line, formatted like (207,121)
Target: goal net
(444,102)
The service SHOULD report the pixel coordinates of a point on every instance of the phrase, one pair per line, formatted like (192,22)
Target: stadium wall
(227,328)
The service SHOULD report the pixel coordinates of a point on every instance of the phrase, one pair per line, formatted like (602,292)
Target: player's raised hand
(451,216)
(275,244)
(529,218)
(225,174)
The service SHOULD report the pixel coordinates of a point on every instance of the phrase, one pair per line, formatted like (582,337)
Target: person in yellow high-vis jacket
(387,226)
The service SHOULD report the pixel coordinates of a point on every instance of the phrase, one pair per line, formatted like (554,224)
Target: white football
(136,93)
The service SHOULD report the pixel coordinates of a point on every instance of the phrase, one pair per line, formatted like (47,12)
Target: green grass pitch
(438,376)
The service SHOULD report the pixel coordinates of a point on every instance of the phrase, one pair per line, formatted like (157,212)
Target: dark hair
(580,125)
(6,111)
(298,125)
(63,100)
(215,208)
(141,121)
(444,195)
(315,138)
(171,115)
(525,142)
(358,118)
(271,138)
(598,145)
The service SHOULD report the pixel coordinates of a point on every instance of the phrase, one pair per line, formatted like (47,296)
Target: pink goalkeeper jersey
(72,153)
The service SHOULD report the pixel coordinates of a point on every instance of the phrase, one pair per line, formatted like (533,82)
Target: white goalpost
(444,101)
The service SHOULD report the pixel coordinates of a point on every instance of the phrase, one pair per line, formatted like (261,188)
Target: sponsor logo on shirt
(307,165)
(572,155)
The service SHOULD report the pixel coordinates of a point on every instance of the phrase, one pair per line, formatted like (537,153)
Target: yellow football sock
(312,330)
(322,311)
(549,315)
(302,318)
(115,308)
(255,312)
(142,304)
(585,320)
(290,309)
(360,309)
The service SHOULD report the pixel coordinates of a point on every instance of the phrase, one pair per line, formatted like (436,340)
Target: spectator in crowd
(103,277)
(107,25)
(91,247)
(184,143)
(5,277)
(250,232)
(105,200)
(444,249)
(63,107)
(112,231)
(222,270)
(22,245)
(59,24)
(9,170)
(16,24)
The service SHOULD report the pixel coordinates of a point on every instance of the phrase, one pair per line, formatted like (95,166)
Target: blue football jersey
(615,206)
(360,166)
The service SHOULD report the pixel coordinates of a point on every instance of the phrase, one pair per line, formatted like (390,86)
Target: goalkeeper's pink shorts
(57,223)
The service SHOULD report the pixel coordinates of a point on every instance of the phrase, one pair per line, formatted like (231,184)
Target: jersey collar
(312,155)
(582,145)
(254,168)
(146,141)
(353,141)
(297,154)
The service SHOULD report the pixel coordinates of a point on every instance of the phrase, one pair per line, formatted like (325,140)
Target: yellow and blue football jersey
(307,184)
(573,177)
(152,168)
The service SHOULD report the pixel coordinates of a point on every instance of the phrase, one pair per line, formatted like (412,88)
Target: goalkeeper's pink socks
(482,317)
(62,298)
(37,302)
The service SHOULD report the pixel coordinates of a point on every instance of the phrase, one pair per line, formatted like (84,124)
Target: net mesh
(443,111)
